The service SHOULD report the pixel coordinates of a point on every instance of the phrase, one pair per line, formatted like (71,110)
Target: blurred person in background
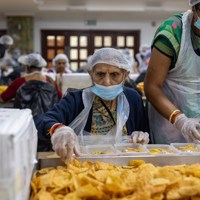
(107,108)
(12,68)
(61,66)
(33,63)
(172,82)
(140,64)
(129,57)
(6,41)
(130,82)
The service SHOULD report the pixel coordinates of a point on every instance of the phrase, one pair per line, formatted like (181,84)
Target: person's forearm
(155,78)
(158,99)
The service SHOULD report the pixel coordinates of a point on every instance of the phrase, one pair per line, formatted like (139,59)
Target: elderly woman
(107,108)
(61,64)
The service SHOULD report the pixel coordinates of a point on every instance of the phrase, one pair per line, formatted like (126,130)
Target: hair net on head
(32,59)
(109,56)
(6,39)
(126,51)
(144,47)
(193,2)
(60,57)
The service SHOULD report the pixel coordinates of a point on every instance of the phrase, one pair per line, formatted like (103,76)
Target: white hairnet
(193,2)
(6,39)
(126,51)
(32,59)
(144,47)
(109,56)
(60,56)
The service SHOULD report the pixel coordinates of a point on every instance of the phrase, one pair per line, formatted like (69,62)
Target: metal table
(50,159)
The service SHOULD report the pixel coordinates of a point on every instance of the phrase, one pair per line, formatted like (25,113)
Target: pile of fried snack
(136,181)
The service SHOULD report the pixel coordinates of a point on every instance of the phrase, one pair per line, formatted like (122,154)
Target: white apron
(114,135)
(182,87)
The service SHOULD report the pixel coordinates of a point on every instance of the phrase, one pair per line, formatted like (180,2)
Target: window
(78,44)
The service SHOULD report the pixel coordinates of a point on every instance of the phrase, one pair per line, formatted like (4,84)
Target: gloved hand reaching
(189,127)
(65,143)
(140,137)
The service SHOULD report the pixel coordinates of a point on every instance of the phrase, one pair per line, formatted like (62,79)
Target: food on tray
(161,151)
(130,149)
(136,163)
(99,180)
(101,152)
(97,152)
(189,148)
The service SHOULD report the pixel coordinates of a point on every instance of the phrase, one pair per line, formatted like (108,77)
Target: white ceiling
(93,9)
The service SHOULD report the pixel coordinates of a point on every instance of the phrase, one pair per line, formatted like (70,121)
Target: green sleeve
(168,37)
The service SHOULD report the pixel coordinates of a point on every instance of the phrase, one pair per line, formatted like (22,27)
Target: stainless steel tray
(51,160)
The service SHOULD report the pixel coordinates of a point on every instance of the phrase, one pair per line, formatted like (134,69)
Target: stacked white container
(18,148)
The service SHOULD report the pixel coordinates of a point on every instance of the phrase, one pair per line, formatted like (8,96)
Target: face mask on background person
(107,92)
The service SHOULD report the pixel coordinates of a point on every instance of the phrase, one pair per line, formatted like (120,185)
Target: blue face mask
(107,92)
(197,23)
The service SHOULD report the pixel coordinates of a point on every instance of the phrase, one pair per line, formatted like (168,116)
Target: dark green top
(167,39)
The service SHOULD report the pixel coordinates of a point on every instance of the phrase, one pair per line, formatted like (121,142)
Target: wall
(21,30)
(3,24)
(147,30)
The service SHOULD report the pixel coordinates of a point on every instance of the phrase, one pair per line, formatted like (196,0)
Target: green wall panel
(21,29)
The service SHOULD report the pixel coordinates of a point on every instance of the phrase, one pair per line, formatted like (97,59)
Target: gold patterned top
(102,121)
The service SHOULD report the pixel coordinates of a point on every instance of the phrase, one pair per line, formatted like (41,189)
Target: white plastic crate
(18,148)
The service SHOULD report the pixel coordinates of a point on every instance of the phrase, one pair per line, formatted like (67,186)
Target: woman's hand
(140,137)
(65,143)
(189,127)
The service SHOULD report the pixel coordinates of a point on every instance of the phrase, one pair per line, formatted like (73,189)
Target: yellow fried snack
(136,163)
(104,181)
(161,151)
(97,152)
(101,152)
(189,148)
(131,149)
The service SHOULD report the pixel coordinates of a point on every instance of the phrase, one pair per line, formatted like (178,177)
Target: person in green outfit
(172,83)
